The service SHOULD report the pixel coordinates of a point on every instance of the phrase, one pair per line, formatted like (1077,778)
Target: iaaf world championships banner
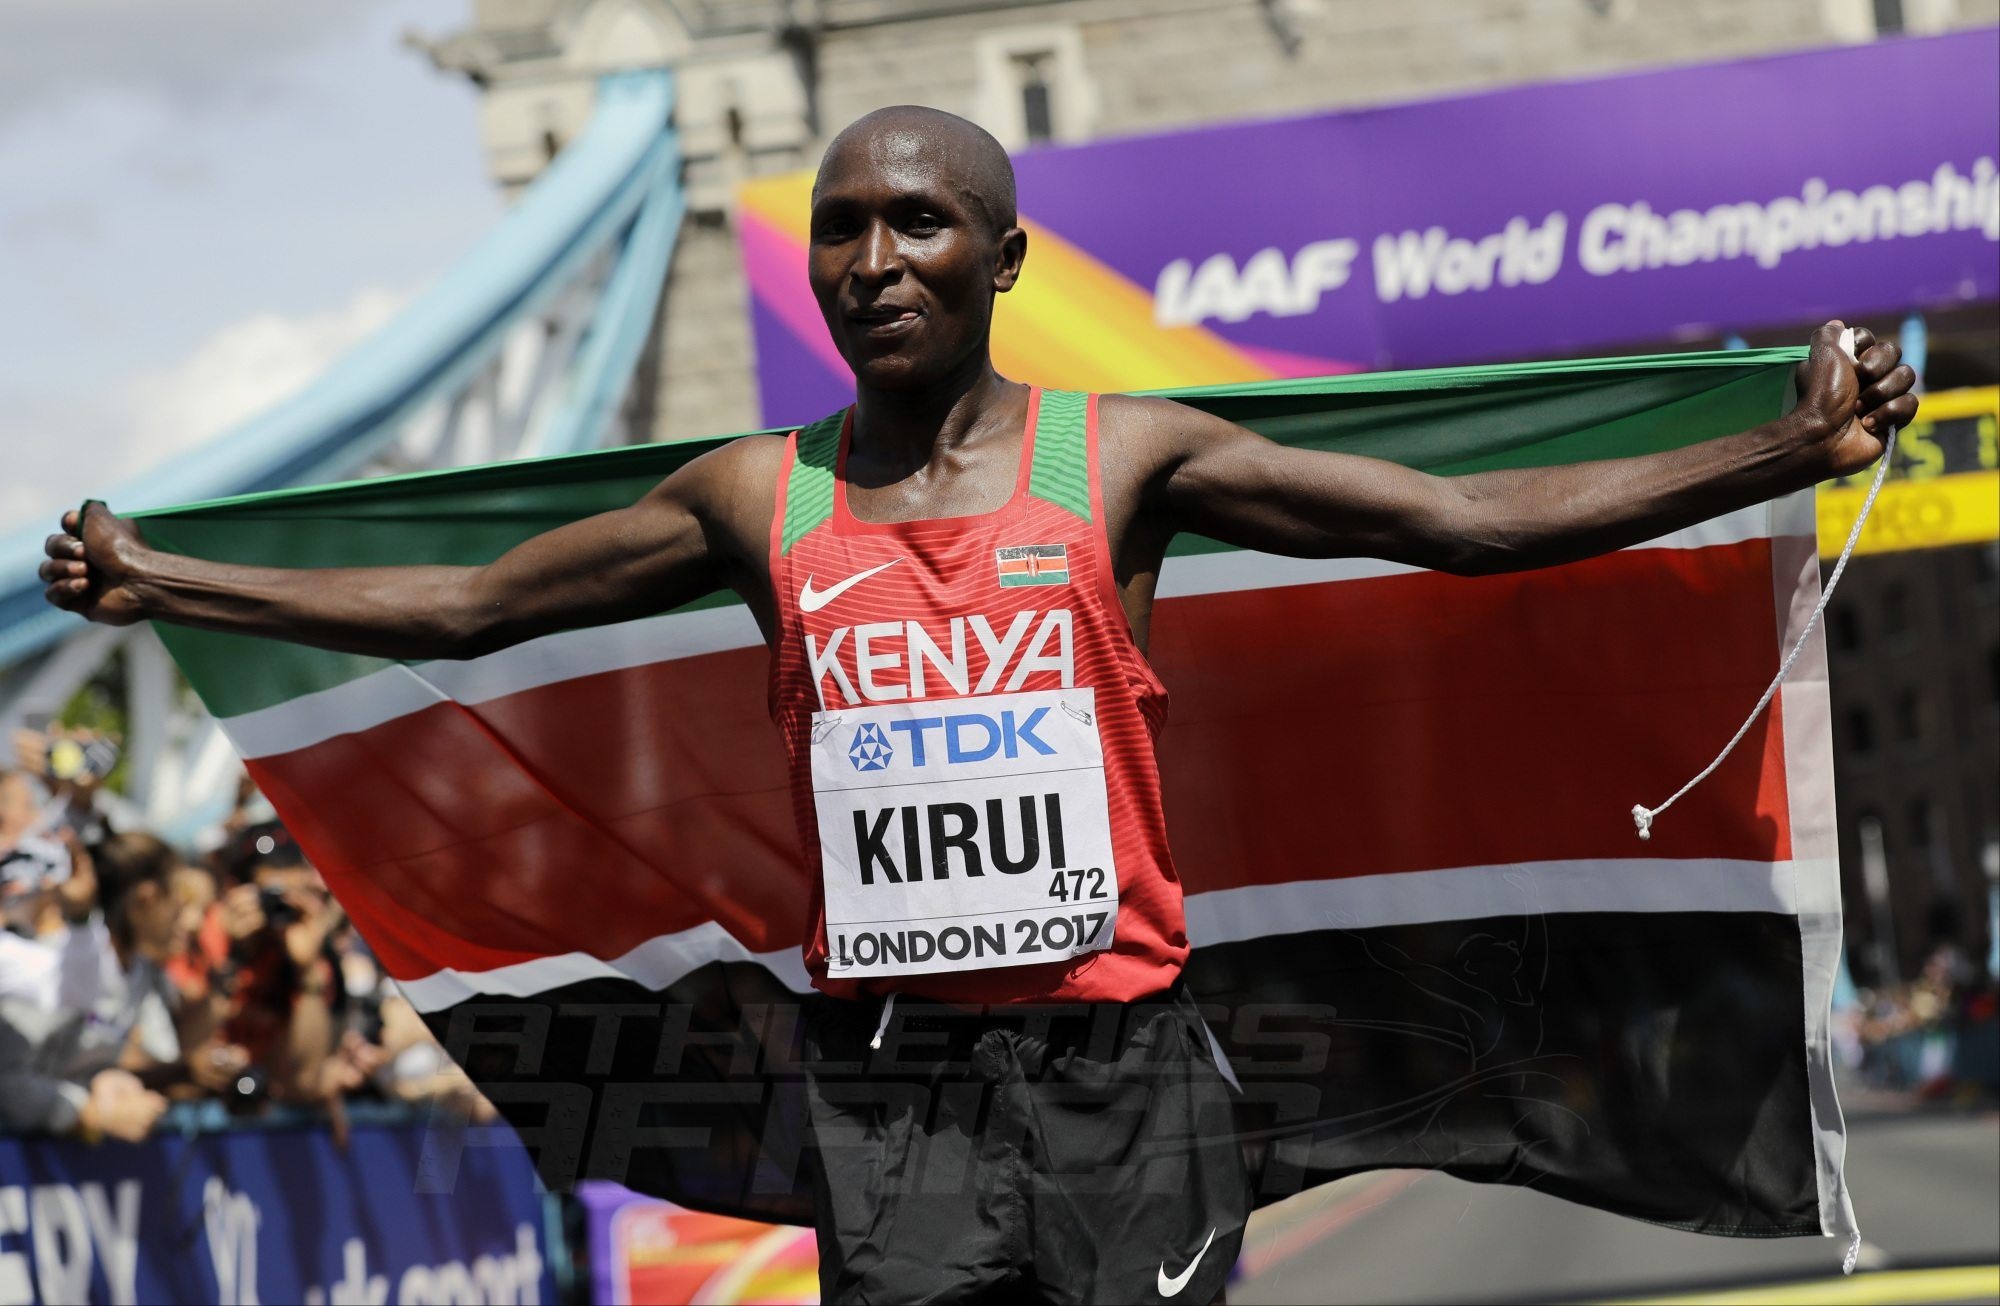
(1539,221)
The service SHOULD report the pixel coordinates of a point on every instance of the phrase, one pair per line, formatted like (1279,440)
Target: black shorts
(1068,1154)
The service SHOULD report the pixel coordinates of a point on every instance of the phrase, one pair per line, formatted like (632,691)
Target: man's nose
(877,260)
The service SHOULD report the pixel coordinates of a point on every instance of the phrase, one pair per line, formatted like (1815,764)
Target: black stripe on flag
(1650,1064)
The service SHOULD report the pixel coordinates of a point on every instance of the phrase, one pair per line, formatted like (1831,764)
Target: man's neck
(904,429)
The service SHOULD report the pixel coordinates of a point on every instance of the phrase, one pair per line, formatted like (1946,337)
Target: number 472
(1067,886)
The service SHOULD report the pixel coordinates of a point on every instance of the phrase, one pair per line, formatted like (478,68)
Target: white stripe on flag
(1477,892)
(654,964)
(392,692)
(1236,915)
(400,690)
(1208,573)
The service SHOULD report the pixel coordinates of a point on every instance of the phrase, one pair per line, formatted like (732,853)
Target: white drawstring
(882,1025)
(1642,817)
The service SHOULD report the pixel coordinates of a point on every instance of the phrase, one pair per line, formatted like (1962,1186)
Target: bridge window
(1860,730)
(1037,114)
(1033,87)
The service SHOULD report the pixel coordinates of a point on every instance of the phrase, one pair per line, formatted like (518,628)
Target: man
(962,568)
(281,969)
(78,1014)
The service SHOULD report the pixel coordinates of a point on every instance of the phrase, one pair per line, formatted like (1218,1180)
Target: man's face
(155,920)
(904,260)
(17,809)
(194,893)
(300,886)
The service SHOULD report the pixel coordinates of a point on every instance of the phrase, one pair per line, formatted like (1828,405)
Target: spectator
(417,1069)
(83,1008)
(17,811)
(37,894)
(194,968)
(116,996)
(71,764)
(284,967)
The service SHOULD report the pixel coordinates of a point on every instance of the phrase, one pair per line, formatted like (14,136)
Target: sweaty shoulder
(733,487)
(1141,442)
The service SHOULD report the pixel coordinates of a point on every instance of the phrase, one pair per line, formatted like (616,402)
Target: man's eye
(926,223)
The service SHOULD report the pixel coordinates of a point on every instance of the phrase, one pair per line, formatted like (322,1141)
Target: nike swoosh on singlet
(812,600)
(1171,1285)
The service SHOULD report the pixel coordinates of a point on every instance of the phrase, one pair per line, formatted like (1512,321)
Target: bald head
(912,235)
(962,154)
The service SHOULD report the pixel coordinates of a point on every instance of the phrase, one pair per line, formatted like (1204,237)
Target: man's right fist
(89,568)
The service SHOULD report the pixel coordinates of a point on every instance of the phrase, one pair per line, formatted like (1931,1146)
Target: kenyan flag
(1424,930)
(1033,564)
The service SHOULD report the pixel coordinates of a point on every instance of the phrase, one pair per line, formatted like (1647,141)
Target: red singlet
(970,729)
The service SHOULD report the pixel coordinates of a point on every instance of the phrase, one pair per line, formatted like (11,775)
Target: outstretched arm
(1225,482)
(672,546)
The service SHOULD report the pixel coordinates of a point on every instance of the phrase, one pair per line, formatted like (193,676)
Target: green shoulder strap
(809,492)
(1061,474)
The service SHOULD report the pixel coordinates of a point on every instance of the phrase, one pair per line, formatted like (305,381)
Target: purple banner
(1536,221)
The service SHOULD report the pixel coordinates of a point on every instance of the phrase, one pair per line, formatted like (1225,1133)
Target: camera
(69,760)
(278,909)
(32,864)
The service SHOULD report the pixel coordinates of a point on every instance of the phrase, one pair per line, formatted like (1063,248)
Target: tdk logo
(870,750)
(960,737)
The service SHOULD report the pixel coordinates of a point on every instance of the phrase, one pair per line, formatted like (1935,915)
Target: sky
(202,204)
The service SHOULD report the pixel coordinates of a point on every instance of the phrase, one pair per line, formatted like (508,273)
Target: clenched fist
(91,566)
(1851,404)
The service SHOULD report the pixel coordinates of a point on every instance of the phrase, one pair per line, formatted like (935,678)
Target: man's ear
(1013,253)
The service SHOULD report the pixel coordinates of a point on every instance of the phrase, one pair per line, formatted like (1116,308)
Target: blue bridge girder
(614,195)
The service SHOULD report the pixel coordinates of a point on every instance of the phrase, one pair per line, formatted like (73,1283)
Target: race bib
(963,834)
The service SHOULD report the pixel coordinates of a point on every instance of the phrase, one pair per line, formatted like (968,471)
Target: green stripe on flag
(1450,421)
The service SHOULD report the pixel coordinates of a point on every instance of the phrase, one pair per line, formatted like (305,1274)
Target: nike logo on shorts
(812,600)
(1171,1285)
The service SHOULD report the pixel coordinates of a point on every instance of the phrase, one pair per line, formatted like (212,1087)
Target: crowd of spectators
(1936,1035)
(134,974)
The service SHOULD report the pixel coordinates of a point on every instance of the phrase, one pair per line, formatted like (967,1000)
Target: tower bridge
(527,347)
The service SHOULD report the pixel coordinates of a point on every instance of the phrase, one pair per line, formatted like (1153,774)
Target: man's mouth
(881,321)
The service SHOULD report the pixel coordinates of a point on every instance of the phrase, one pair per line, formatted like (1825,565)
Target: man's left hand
(1849,405)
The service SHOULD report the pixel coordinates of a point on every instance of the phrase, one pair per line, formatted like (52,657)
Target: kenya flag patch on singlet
(1033,564)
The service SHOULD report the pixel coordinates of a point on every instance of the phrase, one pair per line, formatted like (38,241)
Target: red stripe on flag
(585,816)
(1402,723)
(1424,721)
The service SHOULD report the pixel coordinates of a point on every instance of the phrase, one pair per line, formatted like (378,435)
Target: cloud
(168,266)
(192,195)
(67,218)
(60,452)
(190,52)
(244,369)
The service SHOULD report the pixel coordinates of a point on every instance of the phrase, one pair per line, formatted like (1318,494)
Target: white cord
(1642,817)
(882,1026)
